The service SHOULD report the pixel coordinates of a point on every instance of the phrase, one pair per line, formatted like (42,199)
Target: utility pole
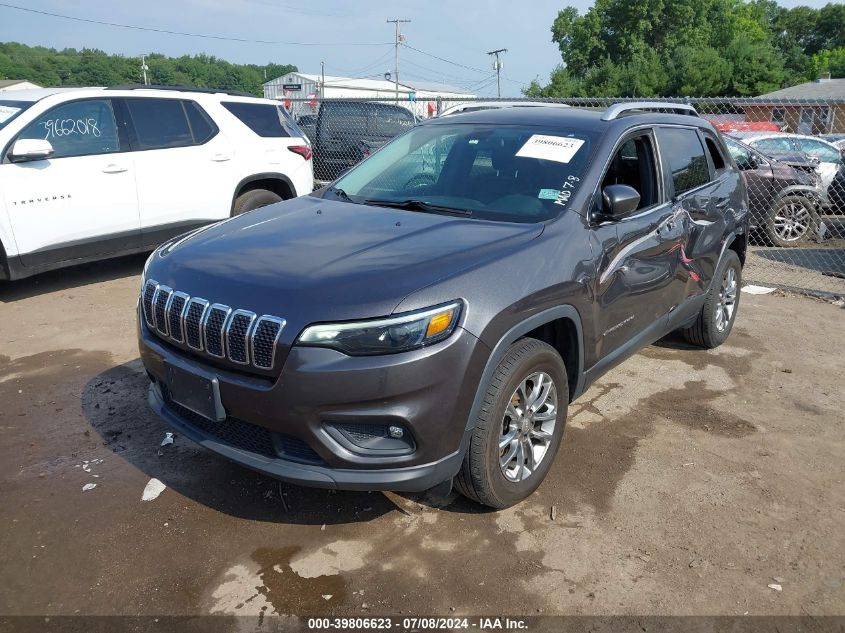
(322,81)
(144,68)
(497,66)
(397,22)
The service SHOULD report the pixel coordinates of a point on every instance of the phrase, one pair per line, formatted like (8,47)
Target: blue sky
(460,31)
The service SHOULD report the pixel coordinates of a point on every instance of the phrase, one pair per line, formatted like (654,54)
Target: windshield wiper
(418,205)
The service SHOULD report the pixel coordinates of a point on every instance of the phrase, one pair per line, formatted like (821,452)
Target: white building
(17,84)
(302,92)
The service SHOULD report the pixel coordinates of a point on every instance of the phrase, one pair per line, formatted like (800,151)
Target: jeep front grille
(240,336)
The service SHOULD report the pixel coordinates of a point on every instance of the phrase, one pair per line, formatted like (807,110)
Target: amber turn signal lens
(439,323)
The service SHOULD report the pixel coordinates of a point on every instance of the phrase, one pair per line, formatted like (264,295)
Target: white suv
(90,173)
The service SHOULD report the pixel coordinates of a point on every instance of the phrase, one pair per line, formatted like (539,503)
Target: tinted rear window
(166,123)
(386,121)
(266,120)
(684,153)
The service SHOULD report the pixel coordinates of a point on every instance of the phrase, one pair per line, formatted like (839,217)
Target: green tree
(757,68)
(91,67)
(690,47)
(832,62)
(699,71)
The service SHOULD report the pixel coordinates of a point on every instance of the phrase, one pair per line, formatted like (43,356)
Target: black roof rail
(212,91)
(617,109)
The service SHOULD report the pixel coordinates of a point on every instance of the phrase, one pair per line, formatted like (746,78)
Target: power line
(455,78)
(186,34)
(454,63)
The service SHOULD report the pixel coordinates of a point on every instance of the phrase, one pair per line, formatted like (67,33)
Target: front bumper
(288,427)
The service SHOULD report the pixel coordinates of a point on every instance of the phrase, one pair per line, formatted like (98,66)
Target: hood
(310,259)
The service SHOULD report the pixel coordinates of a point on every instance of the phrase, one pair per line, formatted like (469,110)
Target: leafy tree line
(91,67)
(652,48)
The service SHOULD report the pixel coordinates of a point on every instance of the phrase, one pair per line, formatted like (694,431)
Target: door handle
(221,158)
(114,169)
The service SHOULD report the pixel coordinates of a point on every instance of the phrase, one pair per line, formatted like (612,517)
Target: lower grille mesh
(243,435)
(246,436)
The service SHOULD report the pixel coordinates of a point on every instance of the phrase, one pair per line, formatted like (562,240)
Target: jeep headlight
(398,333)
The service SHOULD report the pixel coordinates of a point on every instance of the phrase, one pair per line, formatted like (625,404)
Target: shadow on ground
(115,404)
(71,277)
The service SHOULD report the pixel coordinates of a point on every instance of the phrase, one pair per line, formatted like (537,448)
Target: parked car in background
(784,195)
(836,139)
(346,132)
(89,173)
(308,124)
(829,156)
(475,106)
(392,332)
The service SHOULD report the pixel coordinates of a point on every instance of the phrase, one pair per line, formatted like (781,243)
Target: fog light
(396,431)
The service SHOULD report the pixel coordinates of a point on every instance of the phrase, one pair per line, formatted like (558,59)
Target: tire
(254,199)
(791,222)
(482,478)
(712,328)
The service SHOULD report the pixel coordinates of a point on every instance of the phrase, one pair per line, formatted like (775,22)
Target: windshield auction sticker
(557,148)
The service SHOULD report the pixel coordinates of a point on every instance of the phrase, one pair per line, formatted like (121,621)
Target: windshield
(10,109)
(510,173)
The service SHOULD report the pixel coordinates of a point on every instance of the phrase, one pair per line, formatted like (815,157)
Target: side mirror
(619,200)
(27,149)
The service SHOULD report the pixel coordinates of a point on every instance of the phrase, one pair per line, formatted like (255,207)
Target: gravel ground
(686,483)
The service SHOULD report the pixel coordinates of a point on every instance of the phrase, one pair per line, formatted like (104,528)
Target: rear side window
(78,128)
(269,121)
(387,121)
(201,126)
(684,154)
(167,123)
(341,118)
(715,153)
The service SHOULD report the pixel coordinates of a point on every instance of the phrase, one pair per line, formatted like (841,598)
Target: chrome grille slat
(265,337)
(212,329)
(175,313)
(238,332)
(192,323)
(162,299)
(147,301)
(239,336)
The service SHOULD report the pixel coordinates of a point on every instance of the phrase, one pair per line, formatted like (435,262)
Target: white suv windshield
(510,173)
(10,109)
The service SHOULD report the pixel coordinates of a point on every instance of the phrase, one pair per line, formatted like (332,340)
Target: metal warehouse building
(302,92)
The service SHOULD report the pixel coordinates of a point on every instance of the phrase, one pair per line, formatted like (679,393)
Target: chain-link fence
(790,153)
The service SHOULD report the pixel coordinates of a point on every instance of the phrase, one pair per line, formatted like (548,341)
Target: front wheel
(717,316)
(791,221)
(519,428)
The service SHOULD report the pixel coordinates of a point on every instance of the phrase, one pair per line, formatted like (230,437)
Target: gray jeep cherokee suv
(430,315)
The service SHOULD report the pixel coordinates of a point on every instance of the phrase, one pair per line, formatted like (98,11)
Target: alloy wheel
(726,304)
(792,221)
(528,426)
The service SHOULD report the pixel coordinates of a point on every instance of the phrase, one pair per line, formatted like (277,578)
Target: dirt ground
(687,482)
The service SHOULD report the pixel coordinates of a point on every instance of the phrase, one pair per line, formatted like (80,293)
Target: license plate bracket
(195,392)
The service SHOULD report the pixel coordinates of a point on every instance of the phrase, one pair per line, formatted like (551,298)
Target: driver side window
(634,165)
(78,128)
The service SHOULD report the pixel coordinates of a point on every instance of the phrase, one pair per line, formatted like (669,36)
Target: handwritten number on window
(55,128)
